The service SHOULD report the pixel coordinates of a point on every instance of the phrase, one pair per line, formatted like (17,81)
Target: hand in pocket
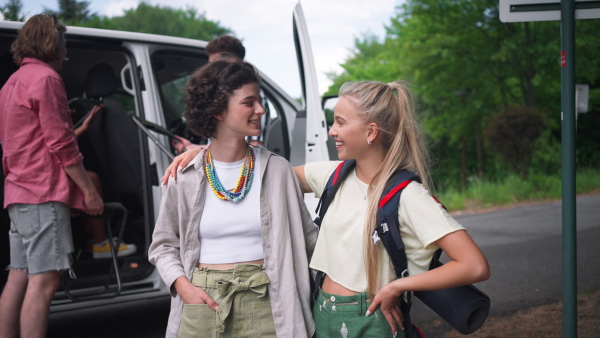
(191,294)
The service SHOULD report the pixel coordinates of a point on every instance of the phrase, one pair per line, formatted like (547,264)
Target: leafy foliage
(146,18)
(466,67)
(72,12)
(512,134)
(12,10)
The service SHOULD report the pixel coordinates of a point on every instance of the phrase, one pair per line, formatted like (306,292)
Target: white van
(139,77)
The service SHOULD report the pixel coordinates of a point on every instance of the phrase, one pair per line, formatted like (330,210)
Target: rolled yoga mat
(465,307)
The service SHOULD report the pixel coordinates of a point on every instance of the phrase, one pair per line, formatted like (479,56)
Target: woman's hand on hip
(387,299)
(191,294)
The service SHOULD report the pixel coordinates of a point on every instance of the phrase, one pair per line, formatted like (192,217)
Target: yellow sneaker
(103,251)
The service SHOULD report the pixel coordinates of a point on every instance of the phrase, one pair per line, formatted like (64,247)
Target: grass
(482,194)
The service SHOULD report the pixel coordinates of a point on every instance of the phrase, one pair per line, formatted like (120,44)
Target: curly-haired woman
(45,177)
(233,236)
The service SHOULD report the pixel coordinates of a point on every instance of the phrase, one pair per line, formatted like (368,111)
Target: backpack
(464,307)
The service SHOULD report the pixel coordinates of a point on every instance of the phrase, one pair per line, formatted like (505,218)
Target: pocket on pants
(262,318)
(26,218)
(197,320)
(340,324)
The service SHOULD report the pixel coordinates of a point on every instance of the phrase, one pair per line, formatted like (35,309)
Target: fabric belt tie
(228,288)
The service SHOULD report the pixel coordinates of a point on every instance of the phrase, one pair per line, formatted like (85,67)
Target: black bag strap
(388,228)
(388,232)
(332,186)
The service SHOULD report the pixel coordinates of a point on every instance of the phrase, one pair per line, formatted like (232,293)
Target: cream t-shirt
(339,249)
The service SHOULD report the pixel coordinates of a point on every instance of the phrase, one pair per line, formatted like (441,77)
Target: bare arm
(86,123)
(467,265)
(299,170)
(93,201)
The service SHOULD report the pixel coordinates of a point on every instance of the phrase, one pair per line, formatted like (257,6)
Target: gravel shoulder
(540,321)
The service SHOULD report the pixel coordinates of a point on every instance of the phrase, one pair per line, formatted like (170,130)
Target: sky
(265,28)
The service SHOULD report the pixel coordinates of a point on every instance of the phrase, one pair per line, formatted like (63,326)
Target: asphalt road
(523,246)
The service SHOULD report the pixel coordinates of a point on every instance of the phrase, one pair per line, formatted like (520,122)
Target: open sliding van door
(310,131)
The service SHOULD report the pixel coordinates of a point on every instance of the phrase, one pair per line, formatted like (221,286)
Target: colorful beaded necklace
(244,181)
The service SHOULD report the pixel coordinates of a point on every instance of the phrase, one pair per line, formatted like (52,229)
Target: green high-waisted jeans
(244,304)
(344,317)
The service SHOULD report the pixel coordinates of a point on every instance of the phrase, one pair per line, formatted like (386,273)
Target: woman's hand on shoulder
(387,299)
(191,294)
(179,162)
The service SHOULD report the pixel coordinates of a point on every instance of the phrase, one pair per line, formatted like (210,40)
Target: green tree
(467,66)
(186,23)
(512,134)
(12,10)
(73,12)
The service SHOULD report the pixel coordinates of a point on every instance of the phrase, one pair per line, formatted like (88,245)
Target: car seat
(115,140)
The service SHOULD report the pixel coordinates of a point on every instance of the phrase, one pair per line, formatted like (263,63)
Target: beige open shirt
(288,240)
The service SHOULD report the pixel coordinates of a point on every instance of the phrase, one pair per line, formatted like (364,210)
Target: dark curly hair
(228,44)
(41,37)
(207,92)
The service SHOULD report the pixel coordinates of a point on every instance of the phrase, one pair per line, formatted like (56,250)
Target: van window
(274,136)
(172,71)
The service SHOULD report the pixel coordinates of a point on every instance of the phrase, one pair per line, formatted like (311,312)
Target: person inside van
(224,47)
(225,44)
(45,177)
(96,227)
(233,236)
(375,125)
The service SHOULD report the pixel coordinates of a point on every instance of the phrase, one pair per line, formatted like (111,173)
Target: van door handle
(124,81)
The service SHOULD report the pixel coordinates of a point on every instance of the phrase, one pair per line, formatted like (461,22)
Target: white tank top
(230,232)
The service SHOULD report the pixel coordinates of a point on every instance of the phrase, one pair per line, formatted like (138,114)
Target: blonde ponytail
(391,107)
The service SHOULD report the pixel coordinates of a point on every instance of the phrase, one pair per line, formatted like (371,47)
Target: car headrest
(101,81)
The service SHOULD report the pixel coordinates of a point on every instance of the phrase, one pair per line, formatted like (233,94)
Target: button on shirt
(37,138)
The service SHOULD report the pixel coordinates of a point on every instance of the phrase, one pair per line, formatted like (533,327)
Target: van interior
(113,150)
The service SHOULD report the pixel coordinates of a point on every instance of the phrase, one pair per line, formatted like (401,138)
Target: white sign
(582,92)
(544,10)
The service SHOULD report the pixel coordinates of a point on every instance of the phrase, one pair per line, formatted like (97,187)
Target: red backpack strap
(386,198)
(336,174)
(442,204)
(333,184)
